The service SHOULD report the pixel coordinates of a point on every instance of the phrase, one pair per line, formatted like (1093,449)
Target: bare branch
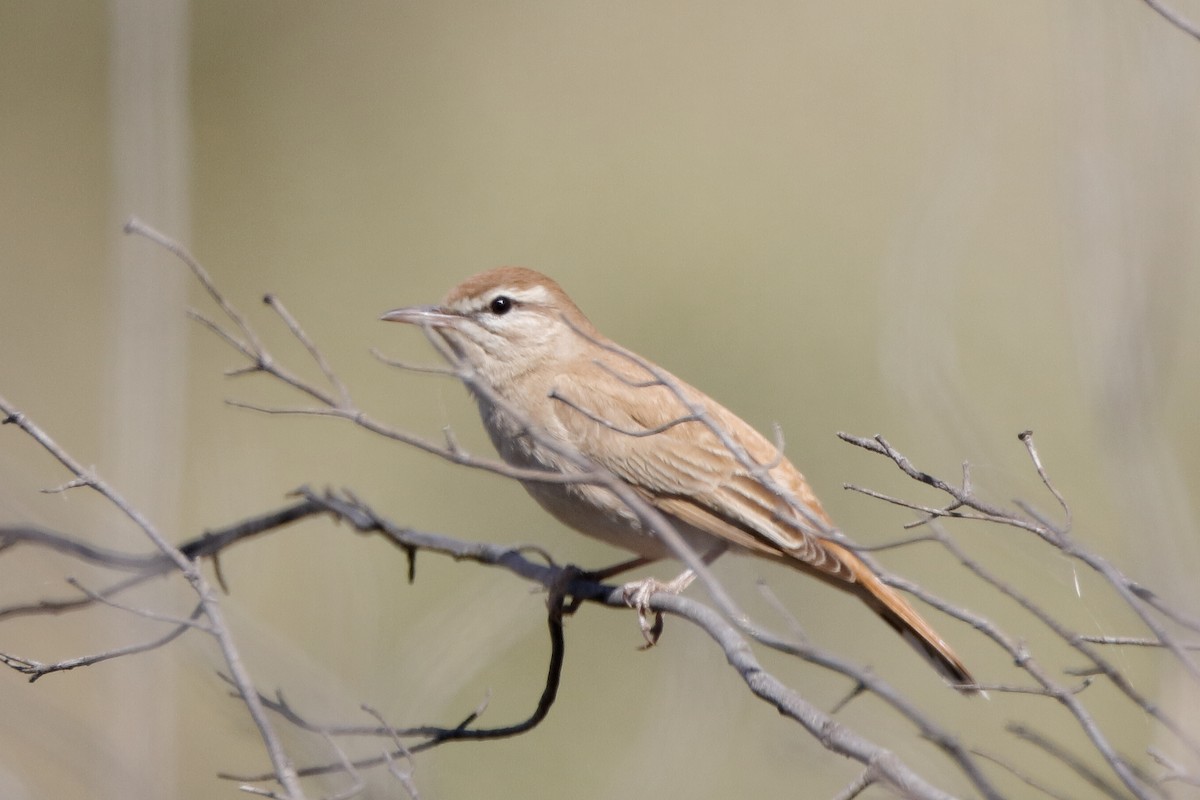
(725,623)
(421,369)
(317,356)
(208,601)
(433,736)
(1132,641)
(145,613)
(1026,438)
(856,787)
(1022,776)
(136,227)
(36,669)
(1056,537)
(11,536)
(1175,18)
(1080,768)
(1175,773)
(657,429)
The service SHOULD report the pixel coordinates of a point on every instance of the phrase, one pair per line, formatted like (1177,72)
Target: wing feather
(688,472)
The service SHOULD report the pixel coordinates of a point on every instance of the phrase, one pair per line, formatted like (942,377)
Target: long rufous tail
(896,611)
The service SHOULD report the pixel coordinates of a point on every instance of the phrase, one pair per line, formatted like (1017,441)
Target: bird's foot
(637,595)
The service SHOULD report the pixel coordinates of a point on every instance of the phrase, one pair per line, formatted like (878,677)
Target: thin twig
(434,736)
(1021,776)
(1077,765)
(137,227)
(276,305)
(420,369)
(1175,18)
(36,669)
(657,429)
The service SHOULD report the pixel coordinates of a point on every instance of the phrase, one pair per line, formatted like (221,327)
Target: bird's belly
(598,513)
(591,510)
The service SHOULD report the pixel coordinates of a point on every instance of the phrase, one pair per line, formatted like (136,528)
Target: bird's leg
(637,594)
(602,575)
(570,573)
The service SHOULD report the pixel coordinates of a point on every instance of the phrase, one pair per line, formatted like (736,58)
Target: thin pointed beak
(423,315)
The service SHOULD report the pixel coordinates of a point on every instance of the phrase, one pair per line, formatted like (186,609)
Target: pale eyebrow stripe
(531,294)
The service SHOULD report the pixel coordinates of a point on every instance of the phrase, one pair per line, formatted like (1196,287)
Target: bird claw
(637,596)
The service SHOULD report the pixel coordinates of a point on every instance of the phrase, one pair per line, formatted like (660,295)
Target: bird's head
(506,322)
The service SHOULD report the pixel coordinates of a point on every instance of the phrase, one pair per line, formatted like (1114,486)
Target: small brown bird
(536,351)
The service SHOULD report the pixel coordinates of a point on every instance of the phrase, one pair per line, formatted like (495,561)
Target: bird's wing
(647,436)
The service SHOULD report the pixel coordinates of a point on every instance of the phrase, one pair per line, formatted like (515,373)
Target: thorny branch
(725,624)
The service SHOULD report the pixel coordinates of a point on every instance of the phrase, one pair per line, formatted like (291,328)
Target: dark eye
(501,305)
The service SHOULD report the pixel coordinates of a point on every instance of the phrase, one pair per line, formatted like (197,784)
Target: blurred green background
(945,222)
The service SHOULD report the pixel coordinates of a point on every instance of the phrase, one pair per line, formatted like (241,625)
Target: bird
(538,362)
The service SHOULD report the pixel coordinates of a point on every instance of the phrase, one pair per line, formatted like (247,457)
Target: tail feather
(901,616)
(897,612)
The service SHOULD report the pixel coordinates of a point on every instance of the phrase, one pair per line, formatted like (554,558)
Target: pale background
(946,222)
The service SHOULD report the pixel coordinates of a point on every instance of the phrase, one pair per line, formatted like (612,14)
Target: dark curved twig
(432,736)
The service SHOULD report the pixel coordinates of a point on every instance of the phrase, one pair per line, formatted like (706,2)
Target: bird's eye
(501,305)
